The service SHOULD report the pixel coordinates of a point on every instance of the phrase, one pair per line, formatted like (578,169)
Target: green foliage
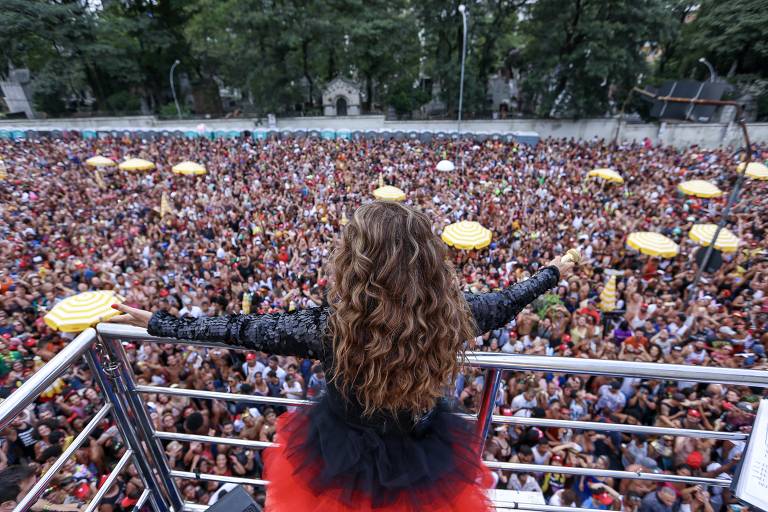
(168,111)
(404,98)
(583,57)
(544,303)
(574,57)
(124,102)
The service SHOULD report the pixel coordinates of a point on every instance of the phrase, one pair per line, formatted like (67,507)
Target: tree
(583,56)
(732,35)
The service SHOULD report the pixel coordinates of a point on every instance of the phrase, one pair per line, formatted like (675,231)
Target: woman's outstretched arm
(496,309)
(296,334)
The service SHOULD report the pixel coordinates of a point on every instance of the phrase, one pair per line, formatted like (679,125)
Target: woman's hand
(565,267)
(131,316)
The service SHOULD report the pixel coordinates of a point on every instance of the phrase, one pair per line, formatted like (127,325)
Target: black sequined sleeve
(299,333)
(496,309)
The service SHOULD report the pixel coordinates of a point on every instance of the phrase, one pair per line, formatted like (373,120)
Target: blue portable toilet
(18,134)
(89,134)
(5,134)
(343,134)
(191,134)
(327,133)
(262,134)
(233,134)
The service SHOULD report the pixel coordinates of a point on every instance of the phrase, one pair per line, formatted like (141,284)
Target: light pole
(173,89)
(463,11)
(712,73)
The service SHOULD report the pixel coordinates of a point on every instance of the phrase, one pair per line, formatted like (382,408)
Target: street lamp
(173,89)
(463,11)
(712,73)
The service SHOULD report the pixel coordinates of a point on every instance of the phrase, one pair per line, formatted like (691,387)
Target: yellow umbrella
(77,313)
(189,169)
(467,235)
(703,234)
(136,164)
(699,188)
(606,174)
(755,170)
(653,244)
(100,161)
(608,295)
(3,173)
(389,193)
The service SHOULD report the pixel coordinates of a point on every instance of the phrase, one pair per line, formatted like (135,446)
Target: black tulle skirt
(327,461)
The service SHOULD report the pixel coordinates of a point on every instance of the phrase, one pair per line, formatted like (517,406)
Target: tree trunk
(368,93)
(305,68)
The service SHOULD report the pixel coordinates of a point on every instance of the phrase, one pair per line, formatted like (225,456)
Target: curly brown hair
(398,317)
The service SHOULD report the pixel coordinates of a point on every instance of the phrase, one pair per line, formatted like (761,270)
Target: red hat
(127,502)
(694,413)
(603,497)
(567,338)
(82,491)
(694,460)
(30,343)
(250,356)
(164,292)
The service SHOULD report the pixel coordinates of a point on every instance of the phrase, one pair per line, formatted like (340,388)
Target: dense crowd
(255,234)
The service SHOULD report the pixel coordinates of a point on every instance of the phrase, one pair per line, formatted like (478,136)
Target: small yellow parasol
(467,235)
(703,234)
(755,170)
(77,313)
(136,164)
(389,193)
(100,161)
(606,174)
(608,295)
(653,244)
(699,188)
(189,169)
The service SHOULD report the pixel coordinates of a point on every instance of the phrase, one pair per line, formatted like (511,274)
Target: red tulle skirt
(325,464)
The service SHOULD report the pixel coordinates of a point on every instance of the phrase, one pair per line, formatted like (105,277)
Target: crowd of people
(255,233)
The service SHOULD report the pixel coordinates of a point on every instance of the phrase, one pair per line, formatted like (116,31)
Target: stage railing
(103,351)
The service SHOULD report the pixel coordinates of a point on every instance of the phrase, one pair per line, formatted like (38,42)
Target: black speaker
(236,500)
(715,259)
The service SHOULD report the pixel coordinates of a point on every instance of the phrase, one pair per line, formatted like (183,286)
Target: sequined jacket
(302,333)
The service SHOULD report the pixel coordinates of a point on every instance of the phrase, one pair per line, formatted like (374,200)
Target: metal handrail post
(42,483)
(110,481)
(42,379)
(732,198)
(124,425)
(488,400)
(143,423)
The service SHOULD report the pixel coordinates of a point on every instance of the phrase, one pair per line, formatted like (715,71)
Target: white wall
(677,134)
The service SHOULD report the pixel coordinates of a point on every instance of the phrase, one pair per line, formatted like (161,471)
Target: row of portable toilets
(423,136)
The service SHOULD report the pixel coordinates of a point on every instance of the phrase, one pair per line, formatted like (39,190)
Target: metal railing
(103,350)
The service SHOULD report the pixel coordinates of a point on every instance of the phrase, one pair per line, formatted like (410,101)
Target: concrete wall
(677,134)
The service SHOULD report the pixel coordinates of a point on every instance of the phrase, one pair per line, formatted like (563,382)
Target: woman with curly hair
(383,437)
